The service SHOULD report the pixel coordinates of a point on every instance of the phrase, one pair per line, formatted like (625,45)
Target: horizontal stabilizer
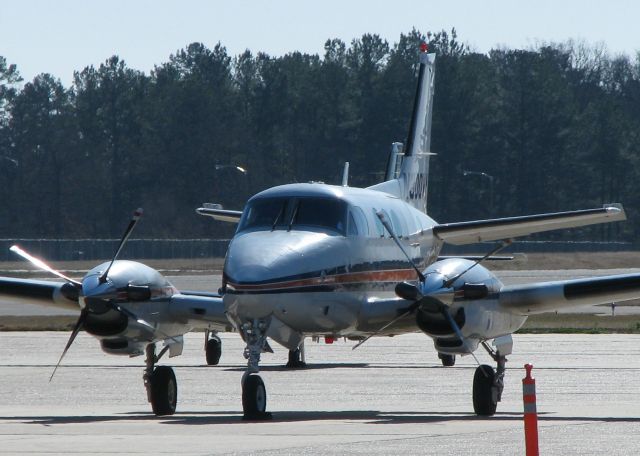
(223,215)
(462,233)
(477,257)
(549,296)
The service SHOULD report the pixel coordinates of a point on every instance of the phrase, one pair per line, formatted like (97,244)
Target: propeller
(37,262)
(86,289)
(434,300)
(134,221)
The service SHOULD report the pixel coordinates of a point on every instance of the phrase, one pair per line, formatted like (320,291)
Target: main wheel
(164,391)
(295,359)
(484,401)
(254,397)
(447,360)
(214,351)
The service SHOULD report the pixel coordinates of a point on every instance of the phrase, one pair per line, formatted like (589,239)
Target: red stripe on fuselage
(394,275)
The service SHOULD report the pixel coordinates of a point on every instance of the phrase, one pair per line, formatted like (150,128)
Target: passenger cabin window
(398,225)
(295,213)
(361,220)
(379,226)
(353,228)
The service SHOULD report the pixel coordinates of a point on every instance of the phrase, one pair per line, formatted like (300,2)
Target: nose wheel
(254,393)
(254,398)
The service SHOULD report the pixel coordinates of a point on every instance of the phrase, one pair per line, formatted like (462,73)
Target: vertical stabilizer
(411,184)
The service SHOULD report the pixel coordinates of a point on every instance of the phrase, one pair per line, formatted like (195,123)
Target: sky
(63,36)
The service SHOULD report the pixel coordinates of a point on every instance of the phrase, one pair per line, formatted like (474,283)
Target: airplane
(333,261)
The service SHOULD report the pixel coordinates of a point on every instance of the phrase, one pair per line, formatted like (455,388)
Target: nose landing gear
(254,393)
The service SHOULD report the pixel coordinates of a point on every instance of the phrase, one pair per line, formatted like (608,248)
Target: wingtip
(616,210)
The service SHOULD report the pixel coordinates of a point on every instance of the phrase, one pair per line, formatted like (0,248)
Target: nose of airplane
(277,256)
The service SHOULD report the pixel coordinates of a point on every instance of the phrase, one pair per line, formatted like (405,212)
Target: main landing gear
(447,360)
(488,384)
(296,358)
(212,348)
(160,382)
(254,393)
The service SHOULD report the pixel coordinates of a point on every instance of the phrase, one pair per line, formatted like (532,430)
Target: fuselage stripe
(395,275)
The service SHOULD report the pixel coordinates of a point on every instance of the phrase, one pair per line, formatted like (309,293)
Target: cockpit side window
(360,220)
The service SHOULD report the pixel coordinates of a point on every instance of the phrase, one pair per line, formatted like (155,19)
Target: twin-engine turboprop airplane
(129,307)
(336,261)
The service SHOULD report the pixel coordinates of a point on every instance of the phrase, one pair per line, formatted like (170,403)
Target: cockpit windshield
(295,213)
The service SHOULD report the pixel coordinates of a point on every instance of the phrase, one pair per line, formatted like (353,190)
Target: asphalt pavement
(391,396)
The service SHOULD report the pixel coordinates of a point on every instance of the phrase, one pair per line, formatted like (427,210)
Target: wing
(223,215)
(549,296)
(490,230)
(202,310)
(44,292)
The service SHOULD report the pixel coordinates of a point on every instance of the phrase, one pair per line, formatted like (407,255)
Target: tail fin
(411,183)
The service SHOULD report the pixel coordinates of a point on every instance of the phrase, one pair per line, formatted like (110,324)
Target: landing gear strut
(212,347)
(254,393)
(160,382)
(488,384)
(296,358)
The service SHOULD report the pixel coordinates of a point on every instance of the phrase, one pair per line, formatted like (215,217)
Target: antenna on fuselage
(345,175)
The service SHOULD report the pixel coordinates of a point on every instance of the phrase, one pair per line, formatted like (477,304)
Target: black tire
(213,351)
(254,397)
(484,403)
(447,360)
(295,360)
(164,391)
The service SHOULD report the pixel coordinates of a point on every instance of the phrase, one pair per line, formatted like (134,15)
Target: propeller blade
(500,246)
(456,329)
(133,316)
(74,333)
(409,310)
(385,222)
(134,220)
(42,265)
(126,312)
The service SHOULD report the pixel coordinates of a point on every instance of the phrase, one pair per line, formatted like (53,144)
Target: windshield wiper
(275,222)
(293,216)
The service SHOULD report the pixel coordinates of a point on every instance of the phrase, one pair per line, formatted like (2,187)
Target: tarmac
(391,396)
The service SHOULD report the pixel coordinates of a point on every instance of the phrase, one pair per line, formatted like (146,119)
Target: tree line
(515,132)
